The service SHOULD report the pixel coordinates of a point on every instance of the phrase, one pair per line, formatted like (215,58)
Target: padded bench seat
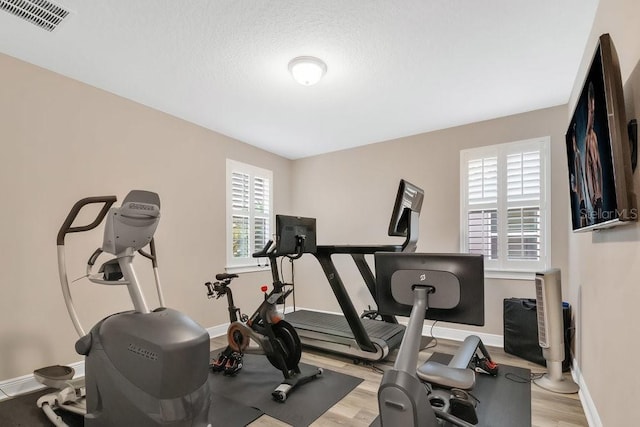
(457,373)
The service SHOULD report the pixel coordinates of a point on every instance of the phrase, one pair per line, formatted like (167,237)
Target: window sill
(236,269)
(509,275)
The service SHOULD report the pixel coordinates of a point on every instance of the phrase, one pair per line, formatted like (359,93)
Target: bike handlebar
(264,252)
(66,228)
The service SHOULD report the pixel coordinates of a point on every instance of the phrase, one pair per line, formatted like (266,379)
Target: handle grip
(66,228)
(264,252)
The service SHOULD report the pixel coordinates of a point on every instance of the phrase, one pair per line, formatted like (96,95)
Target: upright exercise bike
(276,338)
(143,367)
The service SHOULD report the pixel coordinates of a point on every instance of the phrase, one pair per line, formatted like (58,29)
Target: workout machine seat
(457,373)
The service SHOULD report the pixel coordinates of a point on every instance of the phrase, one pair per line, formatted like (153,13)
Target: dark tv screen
(598,148)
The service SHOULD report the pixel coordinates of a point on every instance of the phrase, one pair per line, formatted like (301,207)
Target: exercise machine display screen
(457,282)
(409,198)
(295,235)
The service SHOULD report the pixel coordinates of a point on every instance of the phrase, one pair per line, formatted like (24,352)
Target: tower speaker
(551,332)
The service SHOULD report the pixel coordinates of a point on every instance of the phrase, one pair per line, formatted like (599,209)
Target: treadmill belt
(335,324)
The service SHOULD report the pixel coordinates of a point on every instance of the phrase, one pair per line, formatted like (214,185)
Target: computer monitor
(457,281)
(295,235)
(409,197)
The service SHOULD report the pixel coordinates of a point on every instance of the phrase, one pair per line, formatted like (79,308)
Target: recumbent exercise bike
(445,287)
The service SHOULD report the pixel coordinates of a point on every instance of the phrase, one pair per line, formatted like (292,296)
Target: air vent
(41,13)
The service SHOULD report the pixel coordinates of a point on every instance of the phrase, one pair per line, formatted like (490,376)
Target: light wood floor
(360,407)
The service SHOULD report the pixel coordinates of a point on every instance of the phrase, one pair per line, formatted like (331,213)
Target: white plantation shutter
(483,181)
(483,232)
(262,198)
(240,217)
(503,204)
(524,234)
(523,201)
(482,195)
(249,209)
(240,246)
(240,191)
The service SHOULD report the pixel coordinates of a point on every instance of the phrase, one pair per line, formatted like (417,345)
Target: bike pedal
(233,364)
(486,366)
(219,364)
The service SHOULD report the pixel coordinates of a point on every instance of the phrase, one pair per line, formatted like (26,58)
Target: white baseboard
(590,411)
(460,334)
(218,331)
(28,383)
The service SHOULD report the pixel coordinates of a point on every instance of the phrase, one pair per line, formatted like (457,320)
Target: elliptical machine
(276,338)
(143,367)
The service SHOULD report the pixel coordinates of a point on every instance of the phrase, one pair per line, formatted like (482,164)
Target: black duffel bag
(521,331)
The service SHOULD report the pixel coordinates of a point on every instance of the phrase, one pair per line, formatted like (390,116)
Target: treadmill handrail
(409,245)
(323,255)
(346,305)
(357,249)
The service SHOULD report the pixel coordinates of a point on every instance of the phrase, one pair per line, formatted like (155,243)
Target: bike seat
(225,276)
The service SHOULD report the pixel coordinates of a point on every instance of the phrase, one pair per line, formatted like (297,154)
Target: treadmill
(349,334)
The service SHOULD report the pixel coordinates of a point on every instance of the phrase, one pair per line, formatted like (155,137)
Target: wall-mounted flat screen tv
(598,153)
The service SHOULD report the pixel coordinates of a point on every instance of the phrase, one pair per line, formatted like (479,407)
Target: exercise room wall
(605,266)
(351,193)
(63,140)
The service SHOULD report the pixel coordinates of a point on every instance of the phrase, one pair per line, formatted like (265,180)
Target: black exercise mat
(253,385)
(503,402)
(226,412)
(22,411)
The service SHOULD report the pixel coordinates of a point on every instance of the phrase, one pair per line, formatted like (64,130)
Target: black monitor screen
(409,197)
(458,280)
(293,231)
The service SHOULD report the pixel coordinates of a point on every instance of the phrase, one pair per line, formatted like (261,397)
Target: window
(504,206)
(249,213)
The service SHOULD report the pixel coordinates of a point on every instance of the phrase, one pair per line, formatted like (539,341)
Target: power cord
(434,340)
(375,368)
(523,380)
(80,278)
(293,284)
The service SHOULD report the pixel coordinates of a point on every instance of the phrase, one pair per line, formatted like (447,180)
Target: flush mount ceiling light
(307,70)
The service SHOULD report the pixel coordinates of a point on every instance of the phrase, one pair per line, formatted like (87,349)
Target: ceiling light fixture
(307,70)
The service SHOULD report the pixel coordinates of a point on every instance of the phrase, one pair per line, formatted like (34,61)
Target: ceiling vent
(41,13)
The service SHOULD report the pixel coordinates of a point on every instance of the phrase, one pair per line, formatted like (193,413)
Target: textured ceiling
(395,67)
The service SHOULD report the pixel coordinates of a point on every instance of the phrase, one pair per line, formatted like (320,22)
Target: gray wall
(61,141)
(604,266)
(351,193)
